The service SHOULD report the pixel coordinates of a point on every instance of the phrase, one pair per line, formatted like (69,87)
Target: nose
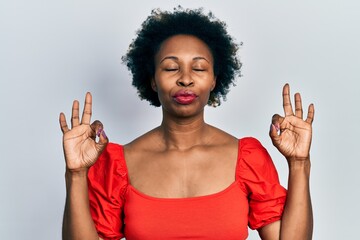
(185,80)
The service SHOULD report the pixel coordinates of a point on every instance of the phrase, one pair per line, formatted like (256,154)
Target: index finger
(86,116)
(286,101)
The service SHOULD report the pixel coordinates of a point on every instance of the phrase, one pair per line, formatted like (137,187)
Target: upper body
(254,198)
(183,65)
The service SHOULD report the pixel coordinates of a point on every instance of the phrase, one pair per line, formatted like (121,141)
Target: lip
(184,97)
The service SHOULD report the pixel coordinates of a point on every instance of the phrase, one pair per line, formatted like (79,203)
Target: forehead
(182,45)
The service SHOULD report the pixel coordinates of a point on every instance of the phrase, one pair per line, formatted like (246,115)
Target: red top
(255,198)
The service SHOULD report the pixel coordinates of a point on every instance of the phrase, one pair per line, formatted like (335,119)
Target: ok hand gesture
(80,147)
(290,134)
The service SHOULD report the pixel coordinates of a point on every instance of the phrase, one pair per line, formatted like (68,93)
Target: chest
(223,215)
(180,174)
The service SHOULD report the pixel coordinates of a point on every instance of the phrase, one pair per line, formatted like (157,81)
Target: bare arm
(293,141)
(297,219)
(81,151)
(77,221)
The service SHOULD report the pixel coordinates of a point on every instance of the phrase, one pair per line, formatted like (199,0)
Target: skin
(185,62)
(80,151)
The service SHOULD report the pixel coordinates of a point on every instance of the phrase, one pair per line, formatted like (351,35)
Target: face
(184,74)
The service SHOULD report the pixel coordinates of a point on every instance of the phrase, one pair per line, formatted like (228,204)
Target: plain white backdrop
(52,52)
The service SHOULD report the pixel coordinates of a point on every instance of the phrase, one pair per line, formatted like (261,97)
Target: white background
(52,52)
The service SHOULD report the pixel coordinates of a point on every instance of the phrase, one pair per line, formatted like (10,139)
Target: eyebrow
(176,58)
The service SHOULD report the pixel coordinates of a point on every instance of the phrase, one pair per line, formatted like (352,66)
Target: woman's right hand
(80,147)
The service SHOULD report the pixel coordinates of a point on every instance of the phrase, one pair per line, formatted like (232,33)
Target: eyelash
(175,69)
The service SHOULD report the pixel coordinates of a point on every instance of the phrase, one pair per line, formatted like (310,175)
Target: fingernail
(277,126)
(103,134)
(99,132)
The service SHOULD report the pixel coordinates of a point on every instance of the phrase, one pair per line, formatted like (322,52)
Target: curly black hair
(161,25)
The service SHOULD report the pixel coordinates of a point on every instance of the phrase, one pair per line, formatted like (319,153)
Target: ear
(213,84)
(153,85)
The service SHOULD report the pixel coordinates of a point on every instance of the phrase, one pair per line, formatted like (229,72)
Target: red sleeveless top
(119,210)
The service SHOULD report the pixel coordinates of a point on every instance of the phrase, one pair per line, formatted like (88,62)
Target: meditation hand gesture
(80,147)
(291,135)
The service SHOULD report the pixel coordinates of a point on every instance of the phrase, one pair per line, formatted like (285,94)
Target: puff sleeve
(107,183)
(260,181)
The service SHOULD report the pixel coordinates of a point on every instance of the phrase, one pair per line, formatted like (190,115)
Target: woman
(185,178)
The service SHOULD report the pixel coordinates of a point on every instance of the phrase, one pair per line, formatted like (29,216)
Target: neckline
(211,195)
(194,198)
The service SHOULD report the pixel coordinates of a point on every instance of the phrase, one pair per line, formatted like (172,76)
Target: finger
(286,101)
(86,116)
(310,114)
(75,114)
(63,124)
(273,131)
(276,120)
(274,135)
(103,140)
(97,128)
(298,106)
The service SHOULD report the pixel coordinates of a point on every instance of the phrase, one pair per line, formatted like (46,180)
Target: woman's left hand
(291,135)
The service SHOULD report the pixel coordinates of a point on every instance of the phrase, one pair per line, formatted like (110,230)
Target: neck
(183,133)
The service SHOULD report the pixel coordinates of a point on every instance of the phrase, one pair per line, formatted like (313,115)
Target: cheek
(163,82)
(162,88)
(208,82)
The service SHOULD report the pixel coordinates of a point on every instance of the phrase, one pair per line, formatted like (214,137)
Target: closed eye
(170,69)
(199,69)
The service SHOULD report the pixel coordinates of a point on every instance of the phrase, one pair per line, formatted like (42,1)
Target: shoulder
(251,146)
(254,161)
(250,142)
(112,148)
(222,139)
(145,142)
(110,164)
(112,152)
